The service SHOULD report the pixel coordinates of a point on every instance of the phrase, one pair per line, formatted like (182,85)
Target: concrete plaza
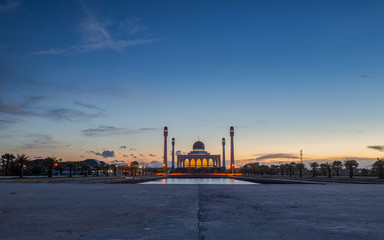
(134,211)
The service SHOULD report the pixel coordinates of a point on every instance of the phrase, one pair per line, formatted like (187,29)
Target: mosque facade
(198,160)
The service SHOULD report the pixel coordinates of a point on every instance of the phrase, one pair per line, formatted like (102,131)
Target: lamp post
(165,150)
(173,154)
(232,133)
(223,142)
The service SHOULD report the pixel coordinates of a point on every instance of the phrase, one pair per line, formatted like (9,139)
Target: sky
(101,79)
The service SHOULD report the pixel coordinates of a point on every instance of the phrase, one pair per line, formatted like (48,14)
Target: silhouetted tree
(37,169)
(323,169)
(351,164)
(329,169)
(314,167)
(22,160)
(114,169)
(72,166)
(282,168)
(378,166)
(291,168)
(98,167)
(85,168)
(7,159)
(50,162)
(273,169)
(300,167)
(337,165)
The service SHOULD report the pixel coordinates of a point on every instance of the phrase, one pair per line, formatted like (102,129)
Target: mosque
(198,160)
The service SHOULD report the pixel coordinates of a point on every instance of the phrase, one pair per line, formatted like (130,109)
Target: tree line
(314,168)
(21,165)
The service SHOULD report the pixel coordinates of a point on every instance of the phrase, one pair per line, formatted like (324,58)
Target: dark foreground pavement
(126,211)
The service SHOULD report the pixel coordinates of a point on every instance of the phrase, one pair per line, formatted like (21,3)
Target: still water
(197,181)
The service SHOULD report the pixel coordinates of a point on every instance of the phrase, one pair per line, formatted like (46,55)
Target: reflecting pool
(198,181)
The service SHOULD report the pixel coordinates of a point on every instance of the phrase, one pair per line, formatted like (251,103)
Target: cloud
(6,122)
(141,155)
(104,154)
(123,146)
(38,157)
(149,129)
(40,141)
(103,34)
(151,155)
(378,148)
(125,155)
(28,108)
(105,131)
(89,106)
(132,149)
(9,5)
(277,155)
(118,162)
(132,155)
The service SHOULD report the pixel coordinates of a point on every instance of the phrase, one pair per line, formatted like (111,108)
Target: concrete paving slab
(132,211)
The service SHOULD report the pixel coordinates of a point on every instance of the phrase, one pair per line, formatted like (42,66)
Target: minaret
(173,154)
(232,133)
(223,153)
(165,150)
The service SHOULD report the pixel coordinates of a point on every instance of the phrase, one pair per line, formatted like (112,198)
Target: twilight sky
(100,79)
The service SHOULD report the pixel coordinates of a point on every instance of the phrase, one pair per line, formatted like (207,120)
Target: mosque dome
(198,146)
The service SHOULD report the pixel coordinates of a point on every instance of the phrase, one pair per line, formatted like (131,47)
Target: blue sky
(80,78)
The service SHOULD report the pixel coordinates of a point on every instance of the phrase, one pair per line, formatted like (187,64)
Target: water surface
(198,181)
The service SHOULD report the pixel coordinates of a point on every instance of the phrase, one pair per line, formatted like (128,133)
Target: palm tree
(72,166)
(282,168)
(336,165)
(314,167)
(114,169)
(85,167)
(98,167)
(50,162)
(22,160)
(300,167)
(273,168)
(351,164)
(106,168)
(291,168)
(378,166)
(329,169)
(323,169)
(7,159)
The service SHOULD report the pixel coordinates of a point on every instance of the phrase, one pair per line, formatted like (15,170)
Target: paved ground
(132,211)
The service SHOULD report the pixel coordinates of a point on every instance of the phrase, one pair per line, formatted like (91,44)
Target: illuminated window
(210,163)
(193,164)
(186,163)
(217,162)
(198,163)
(204,162)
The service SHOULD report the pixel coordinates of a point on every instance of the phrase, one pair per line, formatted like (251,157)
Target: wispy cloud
(276,156)
(103,34)
(103,130)
(28,108)
(9,5)
(40,141)
(377,147)
(89,106)
(123,146)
